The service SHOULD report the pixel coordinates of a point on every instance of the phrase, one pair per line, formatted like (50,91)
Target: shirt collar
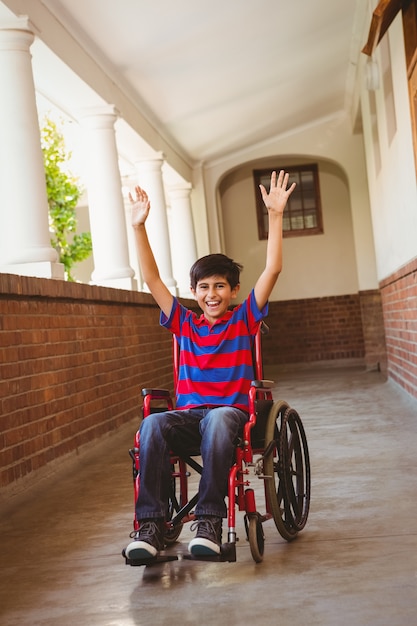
(201,321)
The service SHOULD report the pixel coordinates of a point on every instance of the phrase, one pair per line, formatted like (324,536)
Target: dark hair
(216,265)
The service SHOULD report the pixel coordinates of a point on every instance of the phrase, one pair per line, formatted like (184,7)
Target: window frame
(261,212)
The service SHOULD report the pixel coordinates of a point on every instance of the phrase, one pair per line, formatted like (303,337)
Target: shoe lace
(204,524)
(146,530)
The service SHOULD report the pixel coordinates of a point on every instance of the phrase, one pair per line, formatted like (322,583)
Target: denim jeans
(213,430)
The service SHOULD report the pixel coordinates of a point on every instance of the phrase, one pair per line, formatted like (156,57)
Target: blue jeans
(213,430)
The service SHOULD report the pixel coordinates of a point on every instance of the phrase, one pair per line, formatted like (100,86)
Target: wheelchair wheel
(274,470)
(256,538)
(295,459)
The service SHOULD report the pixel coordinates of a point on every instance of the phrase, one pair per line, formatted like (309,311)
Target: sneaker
(208,539)
(147,541)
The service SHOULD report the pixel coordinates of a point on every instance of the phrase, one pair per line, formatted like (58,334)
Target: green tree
(63,191)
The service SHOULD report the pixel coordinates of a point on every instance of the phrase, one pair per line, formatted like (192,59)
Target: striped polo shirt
(215,366)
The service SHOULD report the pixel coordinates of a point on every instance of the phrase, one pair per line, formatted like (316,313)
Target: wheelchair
(272,449)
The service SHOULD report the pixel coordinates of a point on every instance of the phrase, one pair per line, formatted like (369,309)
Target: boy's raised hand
(278,195)
(140,206)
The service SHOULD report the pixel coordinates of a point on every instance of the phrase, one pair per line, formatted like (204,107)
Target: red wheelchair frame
(273,447)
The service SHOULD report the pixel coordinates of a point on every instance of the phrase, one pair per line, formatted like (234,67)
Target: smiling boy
(215,372)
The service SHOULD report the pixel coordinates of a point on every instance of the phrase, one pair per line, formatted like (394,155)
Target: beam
(382,18)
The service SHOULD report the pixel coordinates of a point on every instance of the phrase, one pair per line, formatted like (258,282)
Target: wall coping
(47,288)
(405,270)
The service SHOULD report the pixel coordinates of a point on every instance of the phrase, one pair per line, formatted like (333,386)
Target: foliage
(63,192)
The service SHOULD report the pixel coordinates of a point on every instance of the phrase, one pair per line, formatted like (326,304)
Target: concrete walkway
(354,564)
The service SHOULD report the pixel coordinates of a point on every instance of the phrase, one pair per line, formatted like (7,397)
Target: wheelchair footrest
(227,553)
(159,558)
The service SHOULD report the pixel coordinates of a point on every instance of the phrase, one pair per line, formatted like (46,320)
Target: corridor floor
(354,564)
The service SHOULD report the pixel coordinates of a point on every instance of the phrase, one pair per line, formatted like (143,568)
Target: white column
(149,173)
(105,200)
(183,246)
(25,246)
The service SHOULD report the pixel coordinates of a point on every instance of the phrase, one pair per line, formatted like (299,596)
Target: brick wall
(73,360)
(326,329)
(373,329)
(399,302)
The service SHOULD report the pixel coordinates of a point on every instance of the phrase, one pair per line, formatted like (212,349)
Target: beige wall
(329,140)
(393,191)
(314,266)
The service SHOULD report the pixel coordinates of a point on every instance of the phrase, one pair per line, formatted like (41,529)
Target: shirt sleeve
(174,321)
(254,314)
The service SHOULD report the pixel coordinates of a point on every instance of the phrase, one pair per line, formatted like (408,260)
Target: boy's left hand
(140,206)
(276,200)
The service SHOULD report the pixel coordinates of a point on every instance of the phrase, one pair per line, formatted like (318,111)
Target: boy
(214,377)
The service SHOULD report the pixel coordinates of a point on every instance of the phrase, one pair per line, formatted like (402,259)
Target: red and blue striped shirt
(215,365)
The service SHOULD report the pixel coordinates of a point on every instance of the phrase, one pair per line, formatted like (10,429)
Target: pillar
(25,246)
(184,251)
(105,200)
(149,172)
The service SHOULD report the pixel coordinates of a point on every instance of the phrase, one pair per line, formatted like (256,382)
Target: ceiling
(211,77)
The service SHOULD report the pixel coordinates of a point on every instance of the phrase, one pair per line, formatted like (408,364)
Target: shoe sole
(138,550)
(203,547)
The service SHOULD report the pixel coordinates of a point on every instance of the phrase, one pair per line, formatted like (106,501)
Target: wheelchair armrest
(262,384)
(156,393)
(161,396)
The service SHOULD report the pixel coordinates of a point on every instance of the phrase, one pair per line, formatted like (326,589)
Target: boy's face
(214,295)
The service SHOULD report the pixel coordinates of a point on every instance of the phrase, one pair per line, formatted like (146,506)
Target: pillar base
(41,269)
(128,283)
(172,288)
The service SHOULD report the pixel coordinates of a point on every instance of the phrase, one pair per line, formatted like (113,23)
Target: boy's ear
(193,292)
(235,290)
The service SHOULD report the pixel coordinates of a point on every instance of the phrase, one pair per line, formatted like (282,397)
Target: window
(302,215)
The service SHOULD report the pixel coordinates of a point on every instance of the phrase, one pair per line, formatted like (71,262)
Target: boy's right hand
(140,206)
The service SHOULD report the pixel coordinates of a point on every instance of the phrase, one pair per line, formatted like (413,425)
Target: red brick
(74,358)
(399,301)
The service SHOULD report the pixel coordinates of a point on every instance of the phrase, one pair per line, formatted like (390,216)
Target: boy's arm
(275,201)
(149,269)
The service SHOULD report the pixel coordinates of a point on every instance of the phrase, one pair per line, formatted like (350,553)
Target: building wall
(335,330)
(390,166)
(317,311)
(399,301)
(330,141)
(375,151)
(313,266)
(390,163)
(373,329)
(73,361)
(74,358)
